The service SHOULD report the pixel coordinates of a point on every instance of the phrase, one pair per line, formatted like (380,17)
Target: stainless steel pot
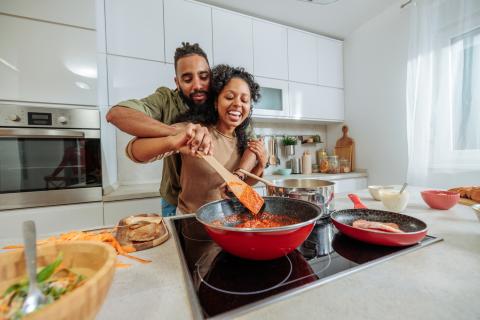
(319,192)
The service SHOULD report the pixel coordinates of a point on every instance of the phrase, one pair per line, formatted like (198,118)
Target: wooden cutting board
(144,220)
(345,148)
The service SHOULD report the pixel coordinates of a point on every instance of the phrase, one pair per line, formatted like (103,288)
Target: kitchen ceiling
(336,20)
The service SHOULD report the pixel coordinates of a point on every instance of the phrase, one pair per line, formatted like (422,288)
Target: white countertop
(440,281)
(151,190)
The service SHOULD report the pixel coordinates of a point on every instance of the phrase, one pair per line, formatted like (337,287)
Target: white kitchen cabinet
(315,102)
(302,57)
(51,220)
(116,210)
(270,50)
(187,22)
(72,12)
(232,39)
(130,78)
(135,28)
(350,185)
(274,100)
(45,62)
(330,62)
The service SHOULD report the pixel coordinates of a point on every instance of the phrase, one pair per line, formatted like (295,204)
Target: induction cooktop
(222,285)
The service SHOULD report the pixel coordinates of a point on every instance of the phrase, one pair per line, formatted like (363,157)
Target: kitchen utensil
(161,231)
(414,229)
(375,191)
(259,243)
(403,187)
(439,199)
(254,176)
(318,192)
(275,151)
(272,159)
(345,148)
(92,259)
(35,298)
(245,193)
(296,165)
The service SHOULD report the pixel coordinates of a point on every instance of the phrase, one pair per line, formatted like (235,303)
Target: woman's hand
(190,138)
(258,148)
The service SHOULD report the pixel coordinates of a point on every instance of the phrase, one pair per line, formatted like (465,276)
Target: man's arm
(137,123)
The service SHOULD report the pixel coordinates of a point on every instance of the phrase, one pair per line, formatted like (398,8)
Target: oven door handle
(40,133)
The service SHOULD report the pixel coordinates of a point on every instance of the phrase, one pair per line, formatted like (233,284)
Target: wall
(375,59)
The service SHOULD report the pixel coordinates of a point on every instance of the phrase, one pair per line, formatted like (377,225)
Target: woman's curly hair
(207,115)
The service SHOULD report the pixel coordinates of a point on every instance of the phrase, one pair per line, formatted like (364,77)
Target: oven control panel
(32,116)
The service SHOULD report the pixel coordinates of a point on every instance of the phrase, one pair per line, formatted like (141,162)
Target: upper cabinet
(330,62)
(187,22)
(302,57)
(232,39)
(270,50)
(135,28)
(71,12)
(47,62)
(274,98)
(315,102)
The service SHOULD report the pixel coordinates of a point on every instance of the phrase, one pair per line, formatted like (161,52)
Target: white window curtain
(443,93)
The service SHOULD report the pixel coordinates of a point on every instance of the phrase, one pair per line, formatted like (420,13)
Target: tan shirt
(199,182)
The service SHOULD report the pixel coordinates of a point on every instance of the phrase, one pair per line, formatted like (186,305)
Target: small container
(322,161)
(344,165)
(333,164)
(306,163)
(315,168)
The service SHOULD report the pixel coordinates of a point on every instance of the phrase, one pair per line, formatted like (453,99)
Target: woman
(234,90)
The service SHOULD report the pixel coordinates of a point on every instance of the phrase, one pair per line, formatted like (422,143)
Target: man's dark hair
(187,49)
(207,115)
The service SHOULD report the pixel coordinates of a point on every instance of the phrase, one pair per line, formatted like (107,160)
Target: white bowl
(393,200)
(375,191)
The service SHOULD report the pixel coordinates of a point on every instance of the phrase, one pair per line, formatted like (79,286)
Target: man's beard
(203,113)
(191,104)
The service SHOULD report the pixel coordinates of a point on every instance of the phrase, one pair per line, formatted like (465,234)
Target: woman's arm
(255,149)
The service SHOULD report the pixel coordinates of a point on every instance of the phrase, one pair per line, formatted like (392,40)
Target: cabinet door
(274,98)
(330,62)
(302,57)
(315,102)
(46,62)
(130,78)
(270,50)
(232,39)
(135,28)
(52,220)
(350,185)
(187,22)
(72,12)
(116,210)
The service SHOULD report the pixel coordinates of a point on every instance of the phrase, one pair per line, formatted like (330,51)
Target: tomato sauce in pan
(262,220)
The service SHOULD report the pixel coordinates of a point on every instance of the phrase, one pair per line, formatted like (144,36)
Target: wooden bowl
(95,260)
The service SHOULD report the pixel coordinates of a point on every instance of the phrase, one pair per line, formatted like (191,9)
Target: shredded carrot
(103,236)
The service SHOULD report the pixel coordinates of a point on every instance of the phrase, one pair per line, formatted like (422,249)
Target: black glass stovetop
(223,284)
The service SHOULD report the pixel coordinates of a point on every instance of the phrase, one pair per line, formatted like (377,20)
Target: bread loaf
(472,193)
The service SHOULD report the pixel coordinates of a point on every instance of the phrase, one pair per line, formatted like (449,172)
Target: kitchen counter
(322,176)
(150,190)
(440,281)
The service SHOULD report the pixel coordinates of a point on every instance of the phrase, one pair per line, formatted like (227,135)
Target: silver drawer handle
(40,133)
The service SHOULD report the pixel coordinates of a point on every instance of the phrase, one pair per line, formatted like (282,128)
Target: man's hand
(191,138)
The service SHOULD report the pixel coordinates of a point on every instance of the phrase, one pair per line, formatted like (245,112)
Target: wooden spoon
(253,176)
(245,193)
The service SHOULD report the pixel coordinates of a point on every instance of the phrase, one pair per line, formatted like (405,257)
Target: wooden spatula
(245,193)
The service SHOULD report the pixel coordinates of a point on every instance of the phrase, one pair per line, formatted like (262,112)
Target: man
(153,116)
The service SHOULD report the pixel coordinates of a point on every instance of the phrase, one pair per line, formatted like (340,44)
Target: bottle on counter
(322,161)
(307,163)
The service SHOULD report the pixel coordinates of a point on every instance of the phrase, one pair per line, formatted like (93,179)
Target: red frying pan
(413,229)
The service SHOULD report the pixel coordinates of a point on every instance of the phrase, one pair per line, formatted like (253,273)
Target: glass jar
(333,164)
(344,165)
(322,161)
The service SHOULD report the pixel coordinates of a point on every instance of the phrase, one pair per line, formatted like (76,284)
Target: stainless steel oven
(49,156)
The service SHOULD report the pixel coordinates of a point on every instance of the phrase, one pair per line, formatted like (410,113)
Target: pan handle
(357,204)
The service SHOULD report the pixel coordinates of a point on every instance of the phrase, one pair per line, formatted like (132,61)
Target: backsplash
(279,130)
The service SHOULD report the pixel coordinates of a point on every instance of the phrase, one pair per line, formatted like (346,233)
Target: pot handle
(357,204)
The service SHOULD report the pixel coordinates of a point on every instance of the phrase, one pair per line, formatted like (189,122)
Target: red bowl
(439,199)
